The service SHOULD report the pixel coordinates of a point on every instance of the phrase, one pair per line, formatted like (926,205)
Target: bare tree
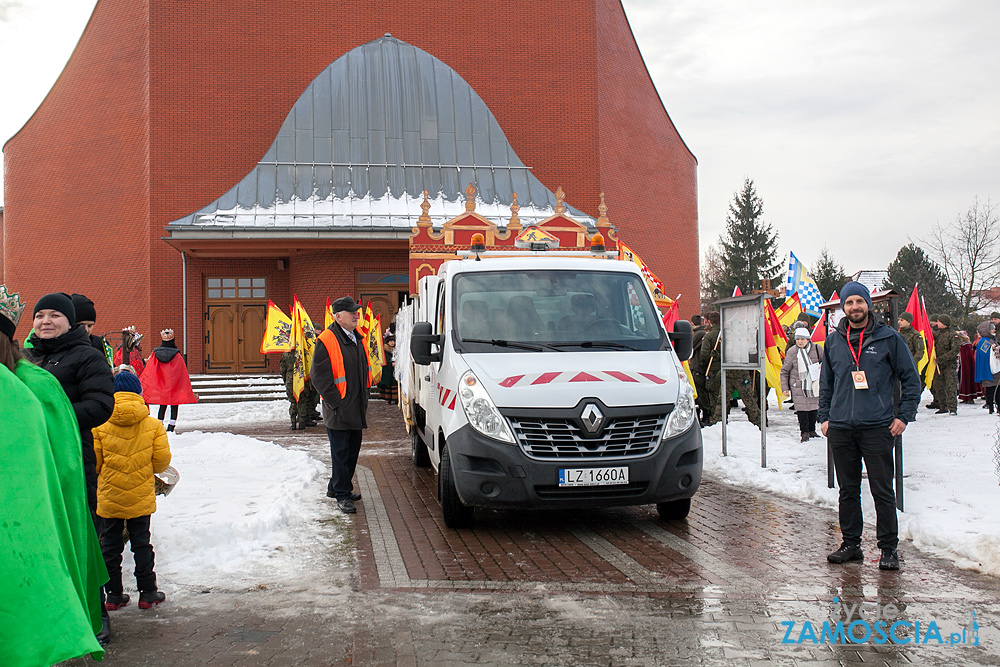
(968,249)
(712,272)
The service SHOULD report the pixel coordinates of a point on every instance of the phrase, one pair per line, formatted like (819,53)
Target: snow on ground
(222,416)
(240,514)
(950,486)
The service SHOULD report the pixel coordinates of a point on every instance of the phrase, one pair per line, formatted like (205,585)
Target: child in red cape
(165,380)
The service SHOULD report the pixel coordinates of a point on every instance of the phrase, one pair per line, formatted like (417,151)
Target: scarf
(810,387)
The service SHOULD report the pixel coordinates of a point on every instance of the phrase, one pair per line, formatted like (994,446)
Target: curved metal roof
(376,128)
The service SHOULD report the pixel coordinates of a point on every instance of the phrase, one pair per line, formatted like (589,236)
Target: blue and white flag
(800,281)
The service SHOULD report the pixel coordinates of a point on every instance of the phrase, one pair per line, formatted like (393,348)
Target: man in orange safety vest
(340,375)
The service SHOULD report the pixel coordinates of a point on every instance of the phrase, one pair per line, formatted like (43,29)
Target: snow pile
(950,487)
(234,508)
(221,416)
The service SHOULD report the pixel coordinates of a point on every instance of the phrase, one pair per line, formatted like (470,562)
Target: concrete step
(231,388)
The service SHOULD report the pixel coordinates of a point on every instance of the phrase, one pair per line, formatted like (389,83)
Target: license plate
(593,476)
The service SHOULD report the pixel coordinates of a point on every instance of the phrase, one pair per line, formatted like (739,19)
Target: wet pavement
(743,581)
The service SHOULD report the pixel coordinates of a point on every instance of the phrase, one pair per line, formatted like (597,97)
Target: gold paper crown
(11,305)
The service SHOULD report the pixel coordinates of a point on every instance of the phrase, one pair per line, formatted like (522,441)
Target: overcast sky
(862,122)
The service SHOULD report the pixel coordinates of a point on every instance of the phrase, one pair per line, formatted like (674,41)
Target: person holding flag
(340,374)
(861,361)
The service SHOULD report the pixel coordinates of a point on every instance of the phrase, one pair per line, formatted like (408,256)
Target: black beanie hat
(85,311)
(906,316)
(854,288)
(58,301)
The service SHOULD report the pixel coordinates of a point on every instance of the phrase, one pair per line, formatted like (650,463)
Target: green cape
(50,560)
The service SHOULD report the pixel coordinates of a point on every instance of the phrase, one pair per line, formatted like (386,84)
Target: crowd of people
(79,453)
(962,369)
(847,388)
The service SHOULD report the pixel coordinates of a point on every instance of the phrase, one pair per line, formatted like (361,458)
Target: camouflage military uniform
(303,410)
(914,341)
(745,382)
(945,384)
(710,359)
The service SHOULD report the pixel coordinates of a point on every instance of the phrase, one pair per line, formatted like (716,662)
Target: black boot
(846,553)
(295,423)
(889,560)
(105,634)
(149,598)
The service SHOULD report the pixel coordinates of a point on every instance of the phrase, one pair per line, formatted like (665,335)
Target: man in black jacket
(861,362)
(340,375)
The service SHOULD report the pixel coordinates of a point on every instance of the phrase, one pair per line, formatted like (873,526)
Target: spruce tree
(828,274)
(913,266)
(748,248)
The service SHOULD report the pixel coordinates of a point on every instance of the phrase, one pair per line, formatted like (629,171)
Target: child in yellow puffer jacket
(130,448)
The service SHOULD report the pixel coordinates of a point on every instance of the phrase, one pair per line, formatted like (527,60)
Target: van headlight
(482,414)
(684,411)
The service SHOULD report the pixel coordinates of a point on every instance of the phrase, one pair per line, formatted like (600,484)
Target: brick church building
(194,160)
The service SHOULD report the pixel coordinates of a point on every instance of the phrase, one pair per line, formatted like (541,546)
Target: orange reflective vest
(332,346)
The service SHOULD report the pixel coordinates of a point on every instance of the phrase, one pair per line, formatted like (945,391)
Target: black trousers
(873,446)
(344,449)
(112,546)
(807,420)
(990,393)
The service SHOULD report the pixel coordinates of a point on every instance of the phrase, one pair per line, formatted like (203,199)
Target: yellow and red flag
(304,337)
(671,316)
(789,311)
(660,297)
(922,323)
(328,314)
(775,342)
(365,320)
(375,349)
(819,331)
(277,331)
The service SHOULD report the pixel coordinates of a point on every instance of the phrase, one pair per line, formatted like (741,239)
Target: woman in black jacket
(64,349)
(61,347)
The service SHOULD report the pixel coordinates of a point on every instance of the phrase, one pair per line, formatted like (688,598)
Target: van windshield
(553,309)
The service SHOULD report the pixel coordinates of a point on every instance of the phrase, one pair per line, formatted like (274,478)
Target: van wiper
(597,343)
(507,343)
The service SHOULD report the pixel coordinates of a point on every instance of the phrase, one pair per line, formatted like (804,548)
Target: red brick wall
(76,190)
(166,105)
(647,173)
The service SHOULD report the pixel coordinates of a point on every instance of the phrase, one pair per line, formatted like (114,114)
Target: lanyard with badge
(858,375)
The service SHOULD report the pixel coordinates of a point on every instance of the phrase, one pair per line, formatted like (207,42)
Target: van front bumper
(489,473)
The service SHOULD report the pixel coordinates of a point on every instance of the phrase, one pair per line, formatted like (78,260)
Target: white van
(547,380)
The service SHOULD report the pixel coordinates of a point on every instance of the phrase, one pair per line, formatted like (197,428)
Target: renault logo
(592,418)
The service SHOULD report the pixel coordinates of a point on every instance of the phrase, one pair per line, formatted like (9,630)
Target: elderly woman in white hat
(800,378)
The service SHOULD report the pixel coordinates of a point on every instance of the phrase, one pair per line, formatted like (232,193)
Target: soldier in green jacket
(914,341)
(710,358)
(697,369)
(945,384)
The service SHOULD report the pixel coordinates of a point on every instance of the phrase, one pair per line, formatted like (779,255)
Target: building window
(383,278)
(237,288)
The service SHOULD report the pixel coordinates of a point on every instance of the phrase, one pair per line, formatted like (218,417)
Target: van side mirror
(682,339)
(421,340)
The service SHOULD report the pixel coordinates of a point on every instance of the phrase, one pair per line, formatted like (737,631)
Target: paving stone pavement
(392,586)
